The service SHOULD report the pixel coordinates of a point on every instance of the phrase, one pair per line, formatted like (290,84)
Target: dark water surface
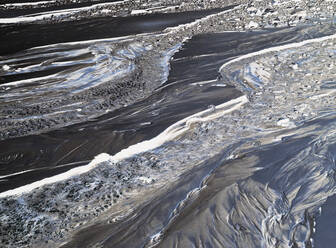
(326,224)
(258,172)
(44,155)
(18,37)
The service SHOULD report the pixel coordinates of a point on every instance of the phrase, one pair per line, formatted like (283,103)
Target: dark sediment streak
(58,151)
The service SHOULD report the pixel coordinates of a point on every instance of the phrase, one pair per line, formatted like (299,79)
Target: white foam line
(26,81)
(169,134)
(88,42)
(279,48)
(26,4)
(139,11)
(324,95)
(15,174)
(180,127)
(47,54)
(205,82)
(63,176)
(57,13)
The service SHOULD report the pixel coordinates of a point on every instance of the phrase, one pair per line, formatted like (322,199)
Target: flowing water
(180,129)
